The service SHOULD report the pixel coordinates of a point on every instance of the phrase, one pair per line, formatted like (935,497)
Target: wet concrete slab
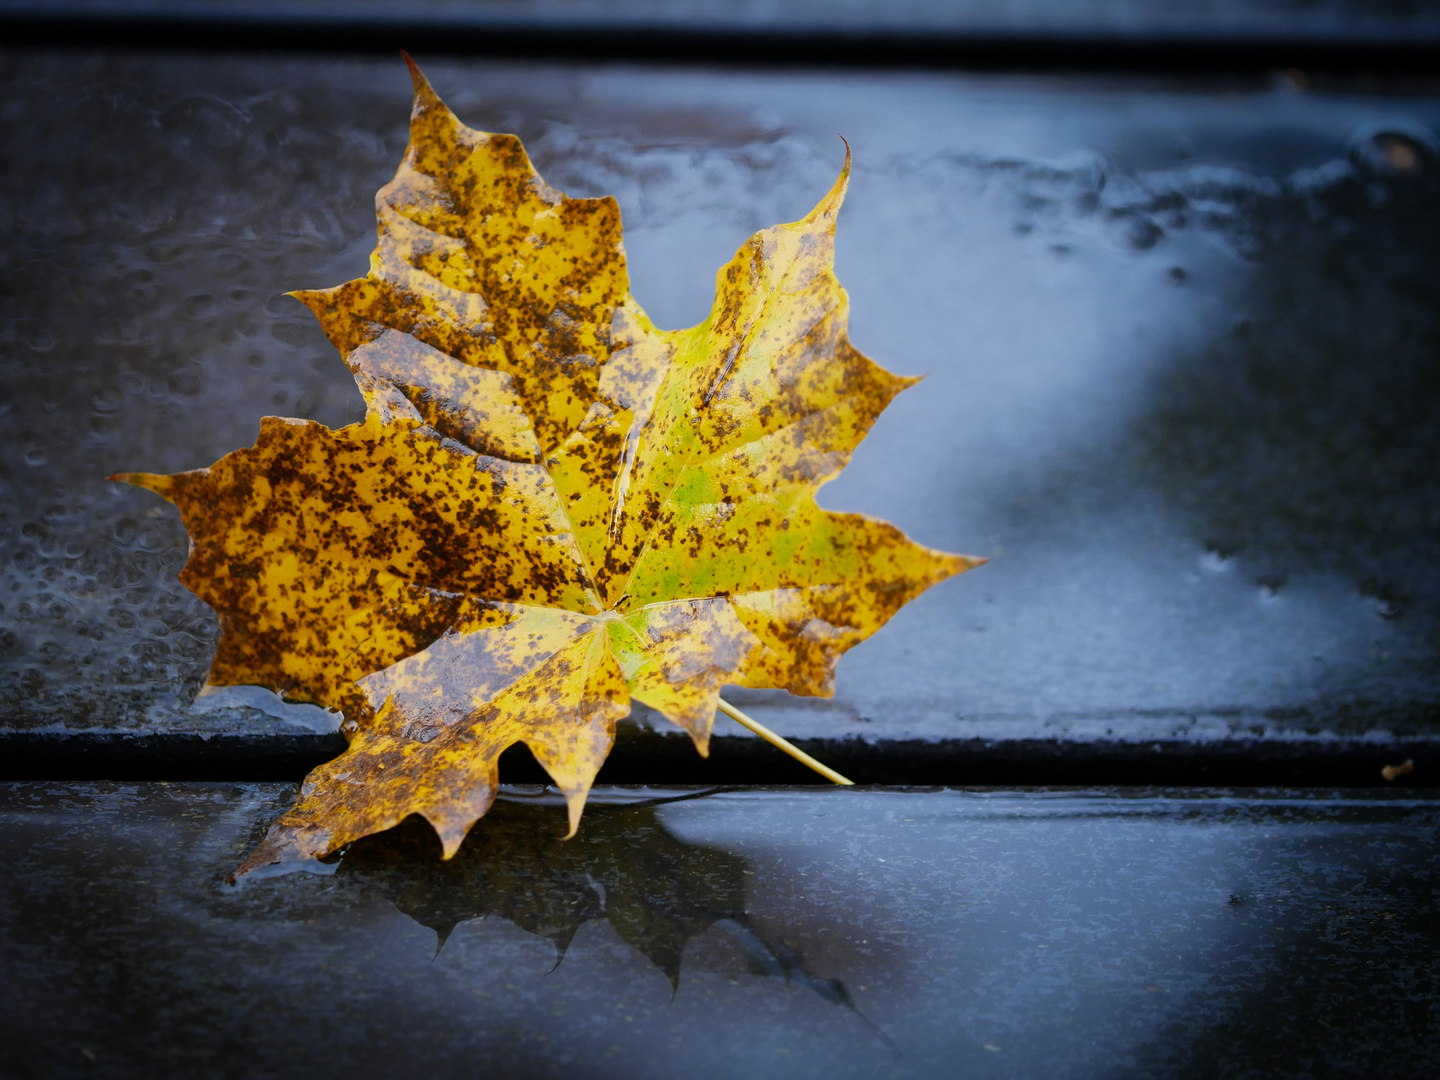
(746,933)
(1180,338)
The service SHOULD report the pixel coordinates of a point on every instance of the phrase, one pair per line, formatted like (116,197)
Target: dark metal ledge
(642,756)
(1388,48)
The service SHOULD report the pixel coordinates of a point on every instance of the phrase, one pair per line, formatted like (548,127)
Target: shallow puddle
(737,933)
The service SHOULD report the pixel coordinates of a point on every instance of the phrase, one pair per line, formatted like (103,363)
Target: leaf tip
(156,482)
(958,564)
(425,95)
(291,844)
(263,856)
(450,841)
(575,806)
(317,300)
(452,828)
(826,209)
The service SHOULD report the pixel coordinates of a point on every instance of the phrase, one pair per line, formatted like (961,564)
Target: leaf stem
(784,744)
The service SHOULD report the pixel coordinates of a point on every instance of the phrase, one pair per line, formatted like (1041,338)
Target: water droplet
(1386,602)
(1142,234)
(200,306)
(1387,607)
(185,381)
(1397,149)
(105,401)
(1400,154)
(1215,559)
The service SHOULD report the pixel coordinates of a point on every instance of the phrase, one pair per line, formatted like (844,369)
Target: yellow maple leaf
(551,506)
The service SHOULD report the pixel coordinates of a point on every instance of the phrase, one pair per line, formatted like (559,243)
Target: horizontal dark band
(1387,48)
(646,757)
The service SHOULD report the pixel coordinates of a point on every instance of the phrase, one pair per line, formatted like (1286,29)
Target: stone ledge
(643,756)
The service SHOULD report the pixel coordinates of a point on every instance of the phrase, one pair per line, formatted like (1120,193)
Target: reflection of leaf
(551,506)
(657,891)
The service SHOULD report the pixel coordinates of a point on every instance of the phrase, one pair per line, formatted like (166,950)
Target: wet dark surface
(644,755)
(1157,35)
(1182,343)
(1181,340)
(751,933)
(1130,15)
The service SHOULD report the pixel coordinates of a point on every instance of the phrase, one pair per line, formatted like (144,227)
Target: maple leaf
(551,507)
